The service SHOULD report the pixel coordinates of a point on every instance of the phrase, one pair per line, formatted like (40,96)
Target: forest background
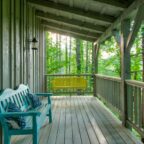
(67,55)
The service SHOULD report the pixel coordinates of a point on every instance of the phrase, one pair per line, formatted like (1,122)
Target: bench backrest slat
(18,96)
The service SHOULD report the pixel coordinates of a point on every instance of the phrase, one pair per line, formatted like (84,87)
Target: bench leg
(50,116)
(6,139)
(35,130)
(35,138)
(50,111)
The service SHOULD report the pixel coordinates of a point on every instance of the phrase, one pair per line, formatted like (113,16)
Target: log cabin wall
(18,62)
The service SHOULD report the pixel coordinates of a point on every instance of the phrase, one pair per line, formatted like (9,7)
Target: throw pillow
(35,101)
(20,120)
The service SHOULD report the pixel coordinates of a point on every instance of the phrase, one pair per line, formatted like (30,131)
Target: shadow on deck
(81,120)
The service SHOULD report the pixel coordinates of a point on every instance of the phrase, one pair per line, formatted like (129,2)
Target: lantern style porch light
(34,44)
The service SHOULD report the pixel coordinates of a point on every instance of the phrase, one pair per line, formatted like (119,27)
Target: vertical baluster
(114,97)
(119,98)
(140,107)
(130,103)
(134,96)
(135,105)
(117,94)
(110,92)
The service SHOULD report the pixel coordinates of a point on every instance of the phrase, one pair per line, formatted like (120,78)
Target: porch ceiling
(86,19)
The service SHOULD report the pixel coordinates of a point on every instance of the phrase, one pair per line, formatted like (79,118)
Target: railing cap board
(68,74)
(108,77)
(135,83)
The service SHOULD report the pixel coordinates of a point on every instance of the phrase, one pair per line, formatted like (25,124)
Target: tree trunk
(78,56)
(66,56)
(87,51)
(70,56)
(143,54)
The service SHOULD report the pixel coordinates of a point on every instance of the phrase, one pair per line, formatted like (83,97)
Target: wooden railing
(69,90)
(108,90)
(135,105)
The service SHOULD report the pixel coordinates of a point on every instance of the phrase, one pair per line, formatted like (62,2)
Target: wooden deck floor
(81,120)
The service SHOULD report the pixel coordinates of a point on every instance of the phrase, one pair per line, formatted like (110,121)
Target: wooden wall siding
(25,43)
(37,56)
(22,40)
(41,59)
(17,42)
(0,42)
(12,43)
(18,63)
(5,43)
(30,35)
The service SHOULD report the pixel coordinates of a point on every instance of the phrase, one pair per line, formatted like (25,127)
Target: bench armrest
(44,94)
(16,114)
(48,95)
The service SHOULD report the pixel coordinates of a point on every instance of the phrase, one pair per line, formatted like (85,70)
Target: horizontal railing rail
(69,90)
(108,89)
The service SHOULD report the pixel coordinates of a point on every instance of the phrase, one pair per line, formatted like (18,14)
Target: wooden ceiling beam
(75,22)
(115,25)
(115,3)
(62,32)
(71,29)
(73,10)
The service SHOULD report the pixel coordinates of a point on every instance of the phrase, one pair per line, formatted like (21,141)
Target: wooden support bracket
(137,23)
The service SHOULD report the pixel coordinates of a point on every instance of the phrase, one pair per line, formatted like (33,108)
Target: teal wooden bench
(35,118)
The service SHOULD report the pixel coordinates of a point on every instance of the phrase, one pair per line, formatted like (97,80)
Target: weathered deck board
(75,126)
(98,132)
(81,120)
(115,123)
(113,136)
(81,124)
(61,130)
(89,127)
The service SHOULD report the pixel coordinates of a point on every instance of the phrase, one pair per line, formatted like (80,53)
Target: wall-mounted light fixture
(34,44)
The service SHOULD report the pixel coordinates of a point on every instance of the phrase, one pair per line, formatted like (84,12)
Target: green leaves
(109,58)
(61,55)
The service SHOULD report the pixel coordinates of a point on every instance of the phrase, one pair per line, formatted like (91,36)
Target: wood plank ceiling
(84,19)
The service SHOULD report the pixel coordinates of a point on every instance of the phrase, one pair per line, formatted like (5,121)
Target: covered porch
(110,110)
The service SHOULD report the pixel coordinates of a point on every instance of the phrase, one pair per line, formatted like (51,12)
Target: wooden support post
(1,135)
(96,58)
(143,53)
(95,65)
(125,66)
(127,40)
(143,77)
(94,70)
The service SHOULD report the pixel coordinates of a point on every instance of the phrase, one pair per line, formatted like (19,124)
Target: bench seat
(35,118)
